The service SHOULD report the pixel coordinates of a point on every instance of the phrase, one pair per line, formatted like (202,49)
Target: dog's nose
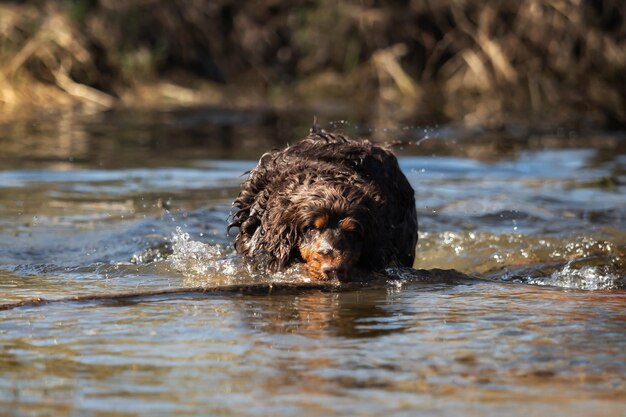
(336,271)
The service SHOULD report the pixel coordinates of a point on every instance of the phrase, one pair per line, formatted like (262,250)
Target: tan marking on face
(315,260)
(312,264)
(307,253)
(348,225)
(320,221)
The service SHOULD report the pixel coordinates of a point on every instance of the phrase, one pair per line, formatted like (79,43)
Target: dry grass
(481,62)
(45,48)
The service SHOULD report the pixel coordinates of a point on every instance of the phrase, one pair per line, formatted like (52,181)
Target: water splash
(586,277)
(208,265)
(574,262)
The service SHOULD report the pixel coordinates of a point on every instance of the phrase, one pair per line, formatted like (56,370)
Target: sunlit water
(537,324)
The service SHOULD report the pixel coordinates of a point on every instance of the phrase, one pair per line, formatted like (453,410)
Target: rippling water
(121,203)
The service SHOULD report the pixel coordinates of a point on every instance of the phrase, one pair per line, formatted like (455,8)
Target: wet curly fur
(334,204)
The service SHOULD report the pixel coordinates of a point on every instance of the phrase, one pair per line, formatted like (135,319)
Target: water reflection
(147,138)
(125,138)
(320,314)
(316,353)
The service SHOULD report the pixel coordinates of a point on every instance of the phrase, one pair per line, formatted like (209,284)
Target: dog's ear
(281,242)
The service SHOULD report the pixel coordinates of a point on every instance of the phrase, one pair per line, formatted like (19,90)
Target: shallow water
(117,203)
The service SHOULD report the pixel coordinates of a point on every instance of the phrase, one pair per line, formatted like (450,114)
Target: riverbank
(555,62)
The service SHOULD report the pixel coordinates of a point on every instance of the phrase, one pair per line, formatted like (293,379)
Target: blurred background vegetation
(478,62)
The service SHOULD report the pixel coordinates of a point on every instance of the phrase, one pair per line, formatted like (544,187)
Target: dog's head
(332,223)
(330,245)
(330,227)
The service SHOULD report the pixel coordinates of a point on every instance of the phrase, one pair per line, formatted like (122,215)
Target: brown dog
(335,204)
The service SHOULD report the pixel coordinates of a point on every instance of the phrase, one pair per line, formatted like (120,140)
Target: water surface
(124,202)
